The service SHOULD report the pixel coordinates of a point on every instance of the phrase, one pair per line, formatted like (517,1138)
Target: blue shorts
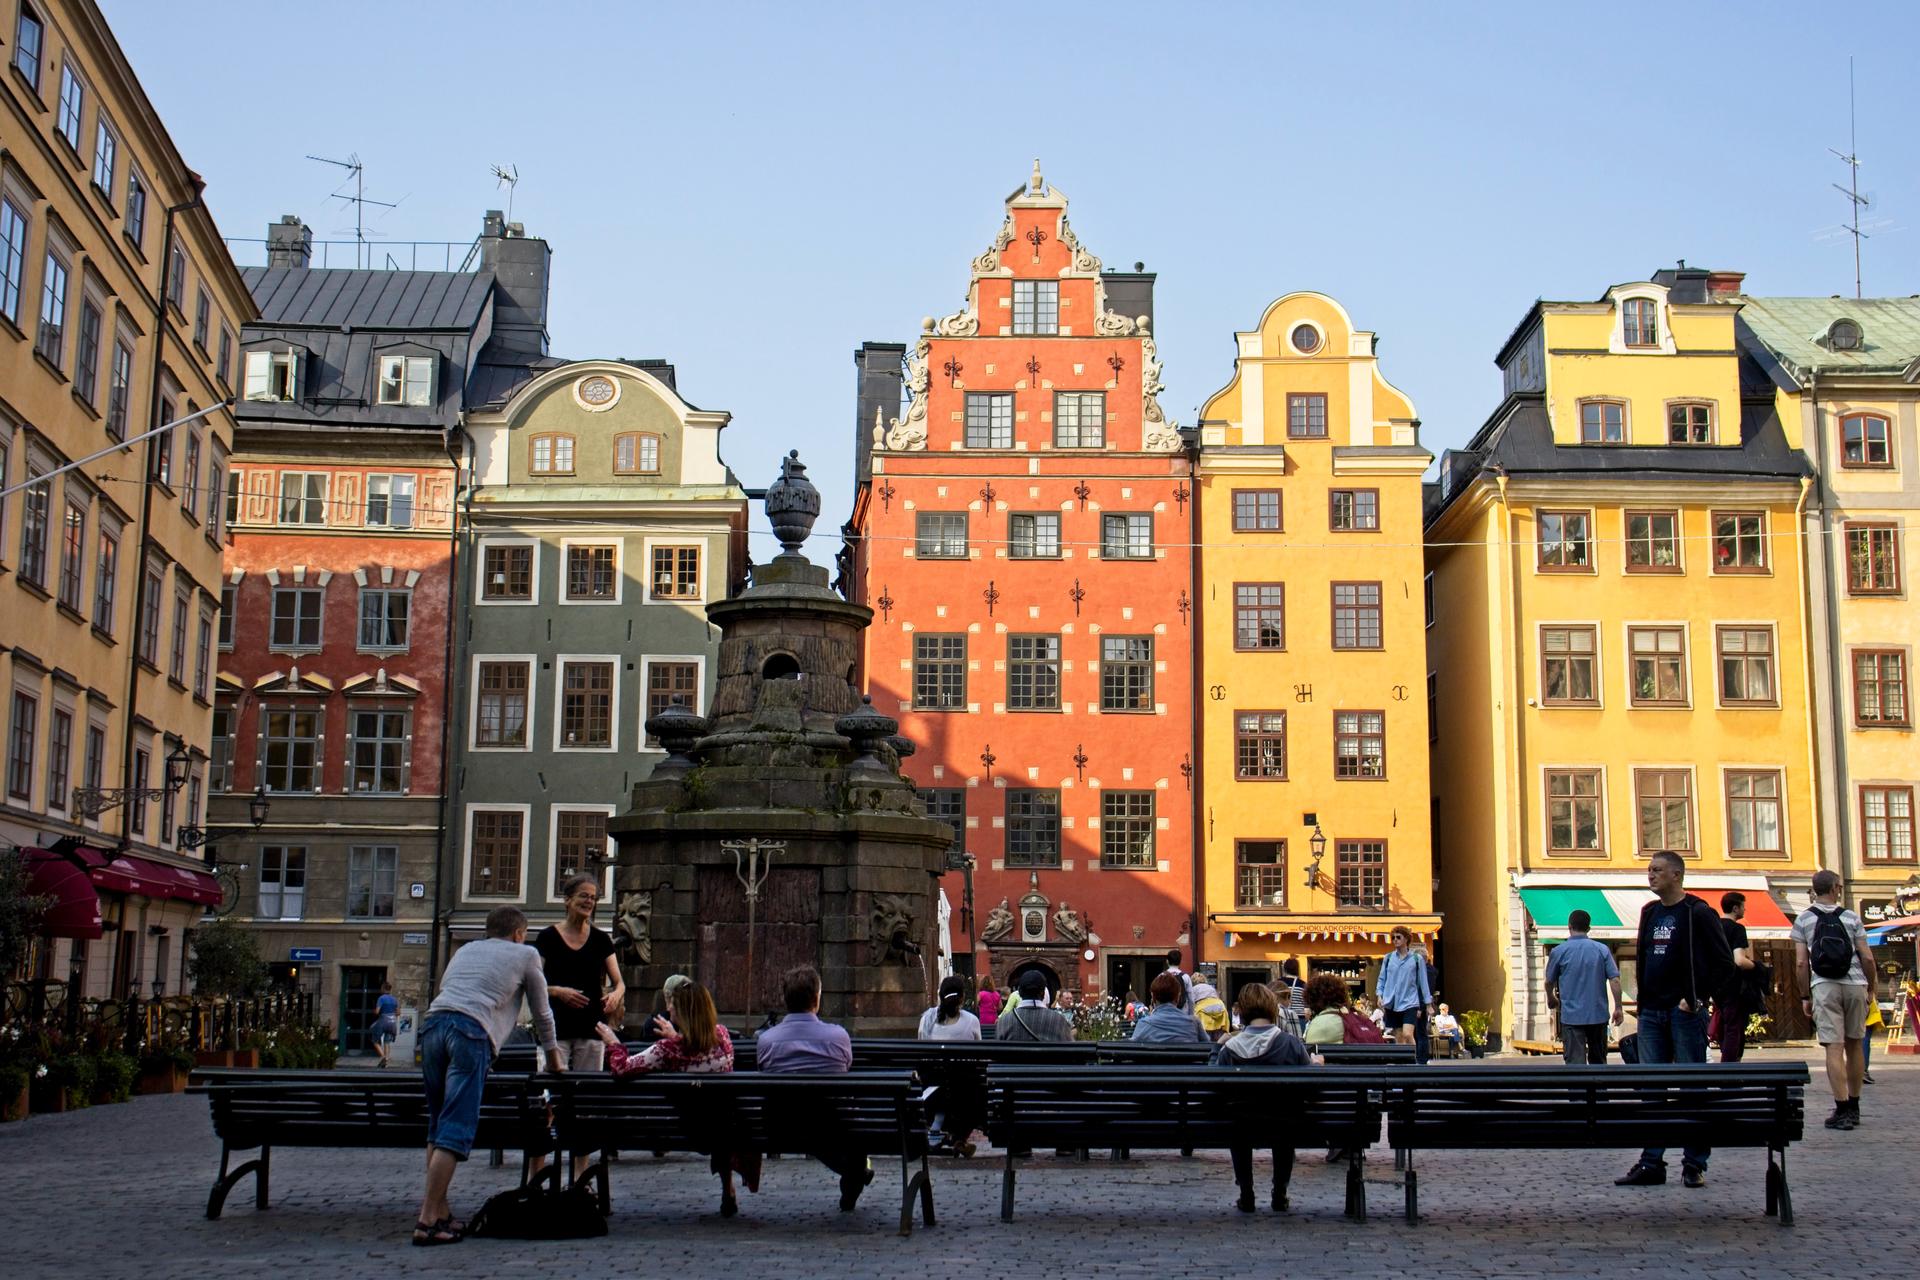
(455,1054)
(385,1029)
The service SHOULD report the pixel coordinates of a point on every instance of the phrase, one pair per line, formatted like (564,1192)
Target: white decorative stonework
(988,263)
(596,393)
(1159,435)
(909,433)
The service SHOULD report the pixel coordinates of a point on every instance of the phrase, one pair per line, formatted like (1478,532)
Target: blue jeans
(455,1054)
(1668,1035)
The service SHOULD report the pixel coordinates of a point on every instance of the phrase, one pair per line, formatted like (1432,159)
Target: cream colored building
(119,310)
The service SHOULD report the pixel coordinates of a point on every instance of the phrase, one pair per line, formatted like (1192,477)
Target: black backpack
(543,1210)
(1831,951)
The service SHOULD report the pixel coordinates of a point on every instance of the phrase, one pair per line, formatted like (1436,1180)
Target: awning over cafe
(118,872)
(1615,908)
(74,910)
(1254,928)
(1885,930)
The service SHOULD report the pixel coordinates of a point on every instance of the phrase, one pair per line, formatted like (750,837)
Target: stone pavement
(121,1191)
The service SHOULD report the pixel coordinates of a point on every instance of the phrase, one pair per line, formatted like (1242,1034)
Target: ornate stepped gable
(909,434)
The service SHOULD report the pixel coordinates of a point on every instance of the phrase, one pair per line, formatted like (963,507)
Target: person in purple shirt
(803,1045)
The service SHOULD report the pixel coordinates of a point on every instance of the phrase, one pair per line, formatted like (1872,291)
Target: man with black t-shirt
(1735,1003)
(1682,958)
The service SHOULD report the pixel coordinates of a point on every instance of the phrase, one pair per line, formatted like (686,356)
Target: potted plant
(65,1084)
(13,1092)
(1474,1024)
(163,1069)
(113,1075)
(226,964)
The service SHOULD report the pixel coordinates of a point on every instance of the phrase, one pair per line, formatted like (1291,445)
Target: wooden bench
(1185,1108)
(1539,1107)
(1365,1055)
(1536,1048)
(264,1110)
(856,1114)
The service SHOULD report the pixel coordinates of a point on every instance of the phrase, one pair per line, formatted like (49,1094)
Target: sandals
(427,1235)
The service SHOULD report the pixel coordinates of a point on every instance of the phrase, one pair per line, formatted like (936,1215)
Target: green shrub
(114,1074)
(12,1080)
(163,1058)
(75,1073)
(1474,1025)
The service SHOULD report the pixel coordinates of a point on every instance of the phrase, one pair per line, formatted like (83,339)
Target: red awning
(127,873)
(75,910)
(1762,911)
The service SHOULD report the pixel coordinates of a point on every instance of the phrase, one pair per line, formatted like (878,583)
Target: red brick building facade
(1022,533)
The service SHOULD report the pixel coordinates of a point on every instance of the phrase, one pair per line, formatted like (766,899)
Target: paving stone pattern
(121,1191)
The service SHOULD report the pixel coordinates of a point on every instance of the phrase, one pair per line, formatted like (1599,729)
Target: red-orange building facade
(1023,535)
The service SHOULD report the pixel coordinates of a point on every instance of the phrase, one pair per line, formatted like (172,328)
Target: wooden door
(787,933)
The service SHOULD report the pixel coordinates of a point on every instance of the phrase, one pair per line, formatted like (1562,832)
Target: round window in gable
(1844,335)
(1305,339)
(596,392)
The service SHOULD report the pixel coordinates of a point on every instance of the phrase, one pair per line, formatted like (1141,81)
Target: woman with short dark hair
(1261,1042)
(1327,999)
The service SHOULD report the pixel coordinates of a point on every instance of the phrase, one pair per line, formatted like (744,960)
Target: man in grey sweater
(478,1005)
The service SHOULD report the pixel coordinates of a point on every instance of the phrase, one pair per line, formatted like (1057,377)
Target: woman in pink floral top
(692,1041)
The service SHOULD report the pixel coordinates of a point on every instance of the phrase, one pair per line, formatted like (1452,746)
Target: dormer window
(1036,306)
(1866,440)
(551,455)
(1690,423)
(273,375)
(636,453)
(1603,422)
(1843,335)
(1640,321)
(406,380)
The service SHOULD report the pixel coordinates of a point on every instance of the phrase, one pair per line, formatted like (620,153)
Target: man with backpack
(1836,971)
(1682,958)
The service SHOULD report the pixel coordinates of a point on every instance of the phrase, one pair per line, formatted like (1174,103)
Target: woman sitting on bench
(1261,1043)
(692,1040)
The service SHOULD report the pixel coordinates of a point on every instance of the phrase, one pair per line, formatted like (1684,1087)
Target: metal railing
(136,1024)
(369,255)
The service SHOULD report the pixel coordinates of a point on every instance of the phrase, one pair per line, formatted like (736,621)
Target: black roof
(446,301)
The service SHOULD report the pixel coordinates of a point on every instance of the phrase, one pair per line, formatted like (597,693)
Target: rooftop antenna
(1855,201)
(358,200)
(509,176)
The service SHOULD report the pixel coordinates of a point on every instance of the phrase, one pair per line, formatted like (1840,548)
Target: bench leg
(498,1159)
(1785,1195)
(217,1199)
(1356,1188)
(1006,1190)
(260,1182)
(926,1193)
(1413,1197)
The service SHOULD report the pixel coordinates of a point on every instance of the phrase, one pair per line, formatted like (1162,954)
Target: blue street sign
(304,955)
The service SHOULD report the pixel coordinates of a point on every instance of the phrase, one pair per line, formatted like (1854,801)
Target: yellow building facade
(1313,673)
(1843,370)
(1620,613)
(120,311)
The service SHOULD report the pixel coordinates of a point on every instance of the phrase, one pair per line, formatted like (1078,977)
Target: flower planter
(247,1059)
(170,1080)
(14,1108)
(48,1100)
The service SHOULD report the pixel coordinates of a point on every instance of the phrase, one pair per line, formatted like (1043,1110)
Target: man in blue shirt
(804,1045)
(1582,974)
(1403,990)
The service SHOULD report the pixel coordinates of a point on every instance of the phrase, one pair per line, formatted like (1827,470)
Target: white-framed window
(380,748)
(586,706)
(51,338)
(136,224)
(667,678)
(119,388)
(203,655)
(503,700)
(303,497)
(86,356)
(592,572)
(273,375)
(1036,307)
(73,102)
(373,873)
(292,739)
(509,572)
(296,618)
(384,615)
(675,571)
(406,380)
(106,156)
(13,257)
(390,501)
(283,882)
(496,859)
(106,578)
(29,41)
(578,844)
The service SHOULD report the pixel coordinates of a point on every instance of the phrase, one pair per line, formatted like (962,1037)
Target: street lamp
(188,837)
(1318,843)
(91,802)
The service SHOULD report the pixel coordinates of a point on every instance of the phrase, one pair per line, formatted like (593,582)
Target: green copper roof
(1795,329)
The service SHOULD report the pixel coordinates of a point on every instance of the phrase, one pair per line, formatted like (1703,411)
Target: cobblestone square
(121,1191)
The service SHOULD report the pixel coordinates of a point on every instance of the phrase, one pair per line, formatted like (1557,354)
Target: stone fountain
(778,830)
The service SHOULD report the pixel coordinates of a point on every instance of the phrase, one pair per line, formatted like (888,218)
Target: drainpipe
(161,330)
(1519,1001)
(455,441)
(1197,651)
(1836,652)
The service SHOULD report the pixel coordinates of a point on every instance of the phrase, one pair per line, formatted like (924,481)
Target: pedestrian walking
(1294,990)
(989,1006)
(1261,1042)
(478,1005)
(1402,990)
(805,1045)
(1836,971)
(1733,1006)
(1581,976)
(1186,982)
(386,1023)
(1682,957)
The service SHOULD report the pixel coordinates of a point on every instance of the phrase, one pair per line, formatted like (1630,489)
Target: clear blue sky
(751,190)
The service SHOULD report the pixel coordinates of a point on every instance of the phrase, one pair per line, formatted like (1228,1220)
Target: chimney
(1130,293)
(1725,286)
(289,243)
(877,388)
(522,269)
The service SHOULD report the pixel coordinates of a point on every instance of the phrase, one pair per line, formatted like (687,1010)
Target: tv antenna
(359,200)
(1855,201)
(509,176)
